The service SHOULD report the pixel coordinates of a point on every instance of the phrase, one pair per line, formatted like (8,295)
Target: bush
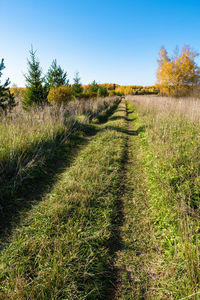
(84,96)
(18,91)
(111,93)
(60,95)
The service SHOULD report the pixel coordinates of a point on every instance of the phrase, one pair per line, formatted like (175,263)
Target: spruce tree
(93,89)
(35,93)
(77,88)
(102,91)
(56,76)
(7,100)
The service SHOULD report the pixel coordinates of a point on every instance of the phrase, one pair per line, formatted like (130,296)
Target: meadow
(170,154)
(34,144)
(100,200)
(100,150)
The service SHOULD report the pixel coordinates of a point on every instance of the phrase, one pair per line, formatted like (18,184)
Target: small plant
(60,95)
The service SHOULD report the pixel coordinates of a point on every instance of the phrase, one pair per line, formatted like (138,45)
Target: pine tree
(56,76)
(77,88)
(35,91)
(94,87)
(102,91)
(7,100)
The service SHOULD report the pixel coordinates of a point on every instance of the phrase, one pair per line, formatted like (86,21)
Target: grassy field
(61,249)
(114,212)
(35,146)
(170,154)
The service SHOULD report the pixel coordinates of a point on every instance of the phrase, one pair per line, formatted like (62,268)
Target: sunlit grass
(61,248)
(172,161)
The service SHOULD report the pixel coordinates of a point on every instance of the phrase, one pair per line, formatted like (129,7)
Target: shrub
(60,95)
(18,91)
(111,93)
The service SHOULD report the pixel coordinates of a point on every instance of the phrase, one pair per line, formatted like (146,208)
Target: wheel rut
(116,244)
(130,245)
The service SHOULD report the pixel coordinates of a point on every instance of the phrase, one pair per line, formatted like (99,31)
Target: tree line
(53,88)
(178,75)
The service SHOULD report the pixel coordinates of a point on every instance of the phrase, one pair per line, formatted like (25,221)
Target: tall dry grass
(60,250)
(29,138)
(171,147)
(180,107)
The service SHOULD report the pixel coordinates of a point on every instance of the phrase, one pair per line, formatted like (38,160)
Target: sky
(110,41)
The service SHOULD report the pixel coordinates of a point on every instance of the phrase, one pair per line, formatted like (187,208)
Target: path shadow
(103,117)
(130,111)
(115,242)
(122,110)
(18,198)
(115,118)
(126,131)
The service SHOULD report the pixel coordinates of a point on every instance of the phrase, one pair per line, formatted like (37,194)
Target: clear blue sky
(106,40)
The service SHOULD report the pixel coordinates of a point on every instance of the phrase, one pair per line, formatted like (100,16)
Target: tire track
(131,246)
(115,243)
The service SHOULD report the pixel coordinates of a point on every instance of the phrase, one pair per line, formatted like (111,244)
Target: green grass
(62,248)
(159,256)
(170,154)
(120,220)
(29,138)
(136,231)
(35,146)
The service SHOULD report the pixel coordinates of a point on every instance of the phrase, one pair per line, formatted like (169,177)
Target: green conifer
(56,76)
(77,88)
(35,93)
(7,100)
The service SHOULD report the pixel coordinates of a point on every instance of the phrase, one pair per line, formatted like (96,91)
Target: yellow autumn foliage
(18,91)
(60,95)
(124,90)
(179,75)
(116,89)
